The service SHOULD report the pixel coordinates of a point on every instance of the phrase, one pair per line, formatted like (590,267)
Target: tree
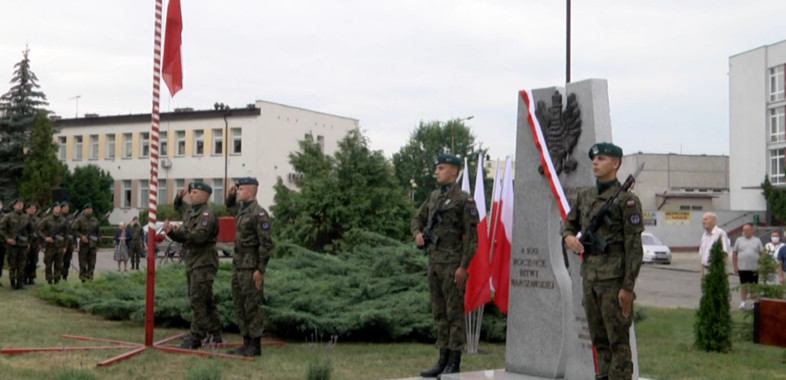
(713,319)
(42,171)
(18,108)
(90,184)
(414,162)
(776,198)
(354,189)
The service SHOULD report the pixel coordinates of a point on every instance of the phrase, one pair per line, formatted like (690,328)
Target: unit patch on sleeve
(635,219)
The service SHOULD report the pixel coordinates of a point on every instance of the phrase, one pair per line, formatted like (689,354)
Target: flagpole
(153,189)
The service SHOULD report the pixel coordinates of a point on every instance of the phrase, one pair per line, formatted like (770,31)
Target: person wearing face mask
(774,245)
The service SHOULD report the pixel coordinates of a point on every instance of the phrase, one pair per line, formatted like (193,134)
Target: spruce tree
(713,319)
(18,108)
(42,171)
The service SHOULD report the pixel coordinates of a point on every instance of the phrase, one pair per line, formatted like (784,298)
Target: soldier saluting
(445,225)
(609,274)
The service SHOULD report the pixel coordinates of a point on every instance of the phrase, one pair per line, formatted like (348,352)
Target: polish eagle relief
(561,129)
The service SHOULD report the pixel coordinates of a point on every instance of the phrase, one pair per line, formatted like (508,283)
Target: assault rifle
(428,233)
(588,237)
(26,225)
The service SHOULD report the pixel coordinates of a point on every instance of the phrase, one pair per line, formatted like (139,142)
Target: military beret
(87,206)
(20,200)
(447,158)
(64,203)
(247,181)
(605,148)
(28,204)
(57,204)
(201,186)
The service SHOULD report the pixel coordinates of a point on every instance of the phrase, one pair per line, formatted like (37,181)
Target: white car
(654,249)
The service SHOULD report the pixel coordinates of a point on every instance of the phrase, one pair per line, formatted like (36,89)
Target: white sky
(391,64)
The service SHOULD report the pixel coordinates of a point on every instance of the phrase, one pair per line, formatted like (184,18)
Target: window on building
(77,147)
(180,184)
(126,201)
(684,208)
(144,144)
(237,137)
(61,148)
(199,142)
(777,131)
(180,142)
(127,145)
(163,144)
(696,208)
(321,143)
(218,141)
(162,200)
(93,147)
(776,83)
(144,196)
(776,166)
(218,190)
(309,137)
(110,146)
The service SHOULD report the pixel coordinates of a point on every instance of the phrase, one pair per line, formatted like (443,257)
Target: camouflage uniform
(16,225)
(70,244)
(455,227)
(605,273)
(198,234)
(86,226)
(53,226)
(32,253)
(136,245)
(253,245)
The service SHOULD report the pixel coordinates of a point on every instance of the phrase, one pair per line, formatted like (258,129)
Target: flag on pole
(496,194)
(478,292)
(500,263)
(172,69)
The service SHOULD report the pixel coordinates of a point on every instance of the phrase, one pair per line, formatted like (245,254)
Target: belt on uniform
(249,249)
(610,248)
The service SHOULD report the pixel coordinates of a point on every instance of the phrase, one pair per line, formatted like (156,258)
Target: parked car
(654,249)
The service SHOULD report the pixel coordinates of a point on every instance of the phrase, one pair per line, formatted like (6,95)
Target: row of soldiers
(58,233)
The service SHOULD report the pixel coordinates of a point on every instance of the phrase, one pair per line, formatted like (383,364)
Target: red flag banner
(172,69)
(478,291)
(500,263)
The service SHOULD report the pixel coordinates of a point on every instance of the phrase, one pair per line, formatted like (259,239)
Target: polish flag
(172,67)
(500,263)
(478,292)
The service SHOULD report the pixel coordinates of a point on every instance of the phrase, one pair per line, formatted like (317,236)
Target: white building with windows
(196,145)
(757,137)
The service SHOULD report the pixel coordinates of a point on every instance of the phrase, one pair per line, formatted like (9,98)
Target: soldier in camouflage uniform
(445,225)
(85,228)
(253,245)
(51,231)
(35,246)
(136,245)
(608,276)
(70,239)
(17,232)
(198,234)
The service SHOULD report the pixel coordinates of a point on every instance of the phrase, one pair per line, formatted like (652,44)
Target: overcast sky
(391,64)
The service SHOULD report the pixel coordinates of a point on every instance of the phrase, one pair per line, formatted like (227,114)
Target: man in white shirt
(711,234)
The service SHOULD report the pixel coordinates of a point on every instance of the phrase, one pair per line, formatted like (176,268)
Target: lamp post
(227,112)
(453,134)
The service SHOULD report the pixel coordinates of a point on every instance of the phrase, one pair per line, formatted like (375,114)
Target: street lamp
(227,112)
(452,132)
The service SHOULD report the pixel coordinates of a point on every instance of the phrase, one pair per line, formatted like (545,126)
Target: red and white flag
(478,292)
(500,262)
(172,66)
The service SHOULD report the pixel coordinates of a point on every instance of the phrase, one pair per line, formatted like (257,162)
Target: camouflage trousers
(205,321)
(87,261)
(17,257)
(32,262)
(67,256)
(53,262)
(609,330)
(248,302)
(447,306)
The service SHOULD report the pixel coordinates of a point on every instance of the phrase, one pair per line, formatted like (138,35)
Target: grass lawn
(665,340)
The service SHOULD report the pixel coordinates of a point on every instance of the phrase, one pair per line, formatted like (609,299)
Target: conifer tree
(713,319)
(42,171)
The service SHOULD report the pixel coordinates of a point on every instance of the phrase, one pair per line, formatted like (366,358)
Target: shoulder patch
(262,214)
(470,200)
(635,219)
(265,225)
(473,211)
(205,213)
(630,203)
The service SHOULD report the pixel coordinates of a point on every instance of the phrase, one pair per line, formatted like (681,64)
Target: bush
(713,325)
(319,368)
(204,371)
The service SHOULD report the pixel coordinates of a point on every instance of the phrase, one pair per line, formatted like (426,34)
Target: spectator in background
(774,245)
(747,250)
(711,234)
(781,255)
(122,238)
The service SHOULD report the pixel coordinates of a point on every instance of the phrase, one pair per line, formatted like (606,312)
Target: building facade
(757,136)
(196,145)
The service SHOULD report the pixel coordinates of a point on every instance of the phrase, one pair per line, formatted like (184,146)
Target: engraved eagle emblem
(561,129)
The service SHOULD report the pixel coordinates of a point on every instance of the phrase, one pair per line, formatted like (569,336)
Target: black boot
(439,367)
(240,350)
(454,363)
(191,343)
(20,284)
(254,348)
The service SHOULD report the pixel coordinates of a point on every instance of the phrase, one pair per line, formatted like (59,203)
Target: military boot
(20,284)
(191,343)
(454,362)
(254,348)
(242,349)
(439,367)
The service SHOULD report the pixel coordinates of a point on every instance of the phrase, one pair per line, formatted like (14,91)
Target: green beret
(64,203)
(447,158)
(20,200)
(201,186)
(87,206)
(57,204)
(247,181)
(605,148)
(28,204)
